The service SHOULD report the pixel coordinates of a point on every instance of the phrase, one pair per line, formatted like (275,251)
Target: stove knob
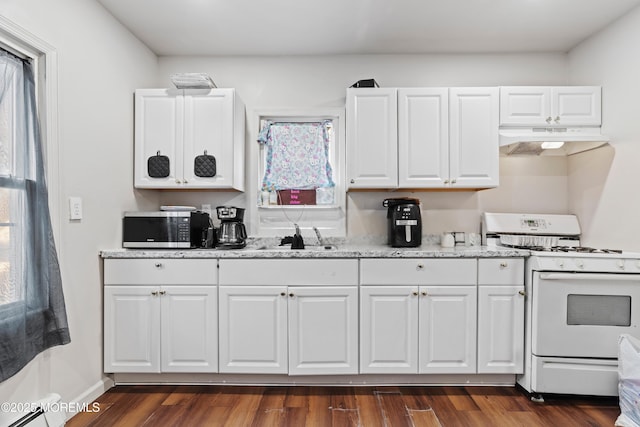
(620,264)
(580,263)
(560,263)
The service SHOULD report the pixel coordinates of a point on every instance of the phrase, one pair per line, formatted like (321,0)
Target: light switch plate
(75,208)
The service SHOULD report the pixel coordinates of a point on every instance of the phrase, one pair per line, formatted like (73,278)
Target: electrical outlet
(75,208)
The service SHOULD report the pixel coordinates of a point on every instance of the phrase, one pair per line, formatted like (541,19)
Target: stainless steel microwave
(163,229)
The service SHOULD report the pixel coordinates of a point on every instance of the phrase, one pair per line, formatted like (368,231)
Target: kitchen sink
(287,248)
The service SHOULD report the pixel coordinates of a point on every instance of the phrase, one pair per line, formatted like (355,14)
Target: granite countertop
(337,248)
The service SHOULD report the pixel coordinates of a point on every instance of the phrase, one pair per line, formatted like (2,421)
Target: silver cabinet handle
(162,292)
(548,119)
(424,293)
(453,181)
(557,119)
(503,264)
(523,293)
(292,295)
(154,293)
(353,181)
(158,264)
(414,293)
(283,294)
(420,267)
(446,181)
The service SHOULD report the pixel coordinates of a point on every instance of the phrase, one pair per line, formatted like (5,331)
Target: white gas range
(579,301)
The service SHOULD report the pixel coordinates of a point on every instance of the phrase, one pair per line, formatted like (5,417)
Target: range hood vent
(549,141)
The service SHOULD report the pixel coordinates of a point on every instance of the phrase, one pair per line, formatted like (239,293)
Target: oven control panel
(533,224)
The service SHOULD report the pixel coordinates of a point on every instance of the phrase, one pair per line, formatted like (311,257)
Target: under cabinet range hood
(551,141)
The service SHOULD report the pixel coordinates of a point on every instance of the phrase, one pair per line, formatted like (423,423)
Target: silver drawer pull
(158,264)
(503,264)
(420,267)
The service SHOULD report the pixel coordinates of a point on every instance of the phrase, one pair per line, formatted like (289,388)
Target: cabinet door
(501,329)
(423,137)
(253,329)
(189,325)
(131,329)
(447,342)
(323,330)
(576,105)
(208,127)
(473,137)
(389,329)
(159,129)
(372,138)
(525,105)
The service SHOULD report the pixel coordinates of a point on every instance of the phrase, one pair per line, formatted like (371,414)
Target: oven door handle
(590,276)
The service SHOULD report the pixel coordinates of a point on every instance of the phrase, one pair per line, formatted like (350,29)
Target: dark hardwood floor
(160,406)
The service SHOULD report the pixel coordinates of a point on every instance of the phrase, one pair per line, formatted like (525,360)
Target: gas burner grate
(583,249)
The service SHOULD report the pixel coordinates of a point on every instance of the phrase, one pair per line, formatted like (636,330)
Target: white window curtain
(32,310)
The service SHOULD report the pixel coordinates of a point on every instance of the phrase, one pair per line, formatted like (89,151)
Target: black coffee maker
(404,229)
(232,233)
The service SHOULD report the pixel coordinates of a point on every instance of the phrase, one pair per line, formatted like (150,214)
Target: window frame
(277,220)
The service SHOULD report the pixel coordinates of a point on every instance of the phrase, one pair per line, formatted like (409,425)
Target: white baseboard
(92,393)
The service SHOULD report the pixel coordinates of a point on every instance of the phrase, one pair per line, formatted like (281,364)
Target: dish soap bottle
(273,196)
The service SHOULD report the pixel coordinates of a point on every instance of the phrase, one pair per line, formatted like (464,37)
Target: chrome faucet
(319,236)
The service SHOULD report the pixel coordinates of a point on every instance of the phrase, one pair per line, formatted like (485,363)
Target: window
(32,310)
(317,197)
(12,187)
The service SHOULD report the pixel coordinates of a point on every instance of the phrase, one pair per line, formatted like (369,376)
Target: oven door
(583,314)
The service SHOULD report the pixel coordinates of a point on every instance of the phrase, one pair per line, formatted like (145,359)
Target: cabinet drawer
(501,271)
(285,272)
(160,271)
(418,271)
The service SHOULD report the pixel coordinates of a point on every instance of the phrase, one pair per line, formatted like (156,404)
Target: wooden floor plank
(240,406)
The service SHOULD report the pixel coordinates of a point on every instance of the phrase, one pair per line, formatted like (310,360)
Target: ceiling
(306,27)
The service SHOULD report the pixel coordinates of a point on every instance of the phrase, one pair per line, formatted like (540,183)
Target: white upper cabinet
(550,106)
(189,130)
(473,137)
(422,138)
(372,138)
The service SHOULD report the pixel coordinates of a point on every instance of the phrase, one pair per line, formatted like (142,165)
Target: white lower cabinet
(447,327)
(289,316)
(388,329)
(253,329)
(501,299)
(314,316)
(160,316)
(160,329)
(426,327)
(323,330)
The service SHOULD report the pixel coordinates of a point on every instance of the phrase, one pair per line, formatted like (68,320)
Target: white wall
(315,82)
(99,66)
(603,185)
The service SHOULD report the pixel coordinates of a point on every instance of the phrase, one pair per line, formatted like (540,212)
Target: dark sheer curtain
(32,309)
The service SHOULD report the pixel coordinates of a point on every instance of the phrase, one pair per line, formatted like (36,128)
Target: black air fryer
(404,222)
